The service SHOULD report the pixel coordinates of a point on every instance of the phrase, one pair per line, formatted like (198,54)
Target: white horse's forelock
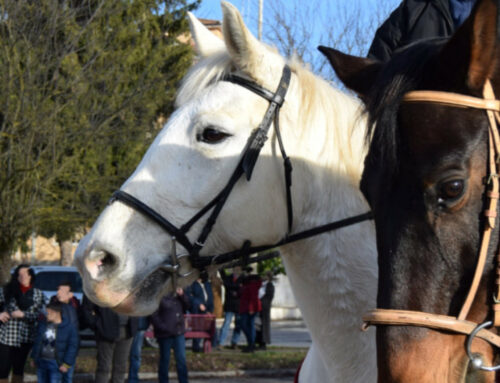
(200,75)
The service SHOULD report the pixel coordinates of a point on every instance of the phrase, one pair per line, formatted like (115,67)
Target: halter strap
(459,324)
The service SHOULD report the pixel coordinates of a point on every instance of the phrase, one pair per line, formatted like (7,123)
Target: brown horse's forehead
(433,135)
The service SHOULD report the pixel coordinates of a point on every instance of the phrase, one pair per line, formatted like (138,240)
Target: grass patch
(224,360)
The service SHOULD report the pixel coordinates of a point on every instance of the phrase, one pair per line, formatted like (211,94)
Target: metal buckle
(477,363)
(174,268)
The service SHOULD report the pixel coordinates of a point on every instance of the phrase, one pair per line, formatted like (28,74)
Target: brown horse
(428,178)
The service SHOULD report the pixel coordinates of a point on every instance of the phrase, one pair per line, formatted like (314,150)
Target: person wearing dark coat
(71,309)
(114,334)
(71,304)
(417,20)
(232,285)
(266,295)
(56,344)
(202,302)
(169,329)
(250,306)
(22,304)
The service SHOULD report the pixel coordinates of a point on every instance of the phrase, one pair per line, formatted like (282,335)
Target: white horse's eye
(211,135)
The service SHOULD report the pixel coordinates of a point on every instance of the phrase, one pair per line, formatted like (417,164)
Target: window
(50,280)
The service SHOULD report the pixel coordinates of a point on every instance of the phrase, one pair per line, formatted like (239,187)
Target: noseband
(459,324)
(245,167)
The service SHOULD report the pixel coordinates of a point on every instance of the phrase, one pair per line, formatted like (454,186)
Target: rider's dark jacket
(414,20)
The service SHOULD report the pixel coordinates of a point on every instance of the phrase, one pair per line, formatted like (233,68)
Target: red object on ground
(201,326)
(297,373)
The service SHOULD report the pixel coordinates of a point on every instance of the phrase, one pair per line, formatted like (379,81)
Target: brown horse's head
(424,178)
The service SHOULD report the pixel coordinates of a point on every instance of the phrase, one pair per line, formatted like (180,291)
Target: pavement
(288,333)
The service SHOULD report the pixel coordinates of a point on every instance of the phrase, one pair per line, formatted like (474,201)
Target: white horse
(333,276)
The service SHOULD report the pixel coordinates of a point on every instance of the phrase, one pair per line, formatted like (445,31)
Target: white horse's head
(189,163)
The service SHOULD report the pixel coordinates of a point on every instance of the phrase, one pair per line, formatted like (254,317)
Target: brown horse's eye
(451,190)
(211,135)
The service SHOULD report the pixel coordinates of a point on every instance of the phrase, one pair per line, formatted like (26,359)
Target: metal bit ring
(477,363)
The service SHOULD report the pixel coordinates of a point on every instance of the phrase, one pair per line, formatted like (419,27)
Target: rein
(245,167)
(459,324)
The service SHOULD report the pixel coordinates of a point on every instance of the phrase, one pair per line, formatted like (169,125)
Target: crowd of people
(48,332)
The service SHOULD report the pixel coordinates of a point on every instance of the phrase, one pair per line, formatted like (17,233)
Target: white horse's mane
(331,146)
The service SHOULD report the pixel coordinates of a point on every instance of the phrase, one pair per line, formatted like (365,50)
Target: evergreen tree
(83,85)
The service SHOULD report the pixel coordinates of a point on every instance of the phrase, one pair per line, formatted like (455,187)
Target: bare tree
(298,27)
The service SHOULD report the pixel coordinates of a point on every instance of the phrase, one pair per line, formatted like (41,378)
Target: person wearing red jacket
(250,305)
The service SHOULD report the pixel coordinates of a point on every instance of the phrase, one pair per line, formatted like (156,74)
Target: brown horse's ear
(357,73)
(474,46)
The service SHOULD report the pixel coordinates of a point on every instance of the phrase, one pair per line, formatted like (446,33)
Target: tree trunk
(5,266)
(66,248)
(6,262)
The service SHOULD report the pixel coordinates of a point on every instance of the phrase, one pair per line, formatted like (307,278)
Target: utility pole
(261,11)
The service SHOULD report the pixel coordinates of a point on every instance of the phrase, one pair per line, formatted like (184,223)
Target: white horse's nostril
(100,264)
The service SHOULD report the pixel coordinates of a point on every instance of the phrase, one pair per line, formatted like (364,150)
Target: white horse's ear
(206,43)
(245,50)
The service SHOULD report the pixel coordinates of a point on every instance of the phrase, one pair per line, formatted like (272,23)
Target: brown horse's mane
(405,72)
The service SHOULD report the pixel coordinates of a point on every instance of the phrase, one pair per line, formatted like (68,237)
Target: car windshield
(50,280)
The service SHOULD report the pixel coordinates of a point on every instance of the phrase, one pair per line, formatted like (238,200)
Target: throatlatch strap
(491,211)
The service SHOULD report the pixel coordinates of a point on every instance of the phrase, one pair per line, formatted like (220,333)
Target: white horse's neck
(334,275)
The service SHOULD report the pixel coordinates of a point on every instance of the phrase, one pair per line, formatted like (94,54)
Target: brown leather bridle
(459,324)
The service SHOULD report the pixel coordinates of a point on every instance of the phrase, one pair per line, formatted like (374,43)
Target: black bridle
(245,166)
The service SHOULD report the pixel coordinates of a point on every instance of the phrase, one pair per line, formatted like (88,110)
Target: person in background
(216,283)
(136,349)
(169,329)
(202,302)
(56,345)
(22,304)
(114,334)
(232,285)
(266,295)
(250,305)
(416,20)
(71,309)
(71,304)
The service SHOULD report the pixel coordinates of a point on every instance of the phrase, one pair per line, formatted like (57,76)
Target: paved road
(289,333)
(234,380)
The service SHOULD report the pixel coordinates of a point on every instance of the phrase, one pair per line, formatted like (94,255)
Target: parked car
(48,279)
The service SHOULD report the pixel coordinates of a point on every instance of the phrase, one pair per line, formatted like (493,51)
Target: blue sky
(313,22)
(210,9)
